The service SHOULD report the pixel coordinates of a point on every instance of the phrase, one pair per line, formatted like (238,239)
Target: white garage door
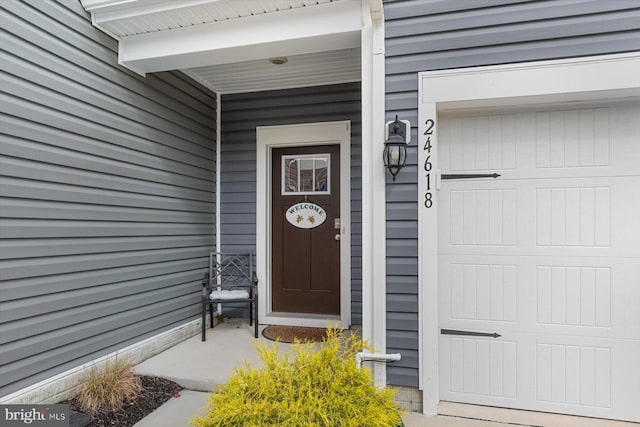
(547,256)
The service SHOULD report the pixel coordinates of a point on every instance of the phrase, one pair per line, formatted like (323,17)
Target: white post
(373,184)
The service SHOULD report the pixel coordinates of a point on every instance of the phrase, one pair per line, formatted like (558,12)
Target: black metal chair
(231,279)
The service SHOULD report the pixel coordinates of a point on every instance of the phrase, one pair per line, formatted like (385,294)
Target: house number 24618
(428,166)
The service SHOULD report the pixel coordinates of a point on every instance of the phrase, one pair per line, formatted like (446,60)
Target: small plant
(312,385)
(108,388)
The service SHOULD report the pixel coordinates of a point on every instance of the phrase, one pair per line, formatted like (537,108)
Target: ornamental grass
(107,389)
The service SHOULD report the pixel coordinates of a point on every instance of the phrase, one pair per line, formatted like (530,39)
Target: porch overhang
(209,38)
(253,37)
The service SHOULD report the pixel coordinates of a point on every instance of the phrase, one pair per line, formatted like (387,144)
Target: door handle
(468,175)
(337,237)
(469,333)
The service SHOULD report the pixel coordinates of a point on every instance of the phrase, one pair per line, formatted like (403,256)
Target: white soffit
(122,18)
(225,44)
(314,69)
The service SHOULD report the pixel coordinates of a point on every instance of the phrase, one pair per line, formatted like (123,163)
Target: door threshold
(302,319)
(524,418)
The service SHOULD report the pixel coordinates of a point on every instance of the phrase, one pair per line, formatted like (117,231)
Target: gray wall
(241,113)
(438,34)
(107,195)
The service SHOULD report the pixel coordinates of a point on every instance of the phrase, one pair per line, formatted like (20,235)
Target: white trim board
(267,138)
(597,78)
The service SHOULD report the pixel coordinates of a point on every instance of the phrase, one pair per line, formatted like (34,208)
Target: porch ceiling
(226,44)
(313,69)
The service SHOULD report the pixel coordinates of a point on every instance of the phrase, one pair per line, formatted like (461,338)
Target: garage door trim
(606,77)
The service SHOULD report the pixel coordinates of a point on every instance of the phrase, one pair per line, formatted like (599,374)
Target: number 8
(427,200)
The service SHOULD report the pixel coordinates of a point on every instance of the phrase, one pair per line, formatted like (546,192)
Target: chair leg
(211,314)
(204,321)
(255,303)
(251,313)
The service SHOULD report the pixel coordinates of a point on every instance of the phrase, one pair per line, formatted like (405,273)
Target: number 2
(430,124)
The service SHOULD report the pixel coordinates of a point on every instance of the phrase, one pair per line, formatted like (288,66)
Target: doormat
(291,333)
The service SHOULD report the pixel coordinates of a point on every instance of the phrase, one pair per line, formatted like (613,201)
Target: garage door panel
(482,217)
(573,138)
(573,374)
(542,372)
(579,142)
(480,290)
(479,367)
(583,373)
(546,256)
(587,215)
(585,296)
(481,143)
(578,296)
(573,216)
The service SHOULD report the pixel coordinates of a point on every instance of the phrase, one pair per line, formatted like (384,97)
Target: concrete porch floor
(198,366)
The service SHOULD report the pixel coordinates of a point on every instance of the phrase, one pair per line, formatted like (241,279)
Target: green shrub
(311,385)
(107,389)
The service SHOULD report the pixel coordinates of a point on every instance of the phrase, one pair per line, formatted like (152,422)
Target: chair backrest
(231,270)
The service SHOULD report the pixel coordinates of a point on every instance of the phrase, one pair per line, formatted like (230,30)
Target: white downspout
(218,173)
(373,183)
(376,357)
(218,184)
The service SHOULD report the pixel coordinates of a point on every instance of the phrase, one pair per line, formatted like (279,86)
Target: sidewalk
(198,366)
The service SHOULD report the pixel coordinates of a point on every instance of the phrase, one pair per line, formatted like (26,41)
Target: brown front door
(306,256)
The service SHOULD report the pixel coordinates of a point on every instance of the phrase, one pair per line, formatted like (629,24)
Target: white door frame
(605,77)
(267,138)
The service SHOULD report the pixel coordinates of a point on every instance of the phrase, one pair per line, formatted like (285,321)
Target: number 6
(427,164)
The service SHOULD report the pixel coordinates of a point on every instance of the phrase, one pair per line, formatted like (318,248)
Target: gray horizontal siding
(241,114)
(424,35)
(430,35)
(107,202)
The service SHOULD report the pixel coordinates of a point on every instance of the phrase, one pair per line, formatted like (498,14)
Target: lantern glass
(395,157)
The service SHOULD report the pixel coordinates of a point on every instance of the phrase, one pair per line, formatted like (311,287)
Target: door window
(305,174)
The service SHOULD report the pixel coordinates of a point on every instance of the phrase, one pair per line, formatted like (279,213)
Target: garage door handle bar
(469,333)
(468,175)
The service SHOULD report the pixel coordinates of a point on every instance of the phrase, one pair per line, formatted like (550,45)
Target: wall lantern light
(395,147)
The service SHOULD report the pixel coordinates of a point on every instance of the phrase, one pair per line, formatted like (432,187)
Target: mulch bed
(155,392)
(292,333)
